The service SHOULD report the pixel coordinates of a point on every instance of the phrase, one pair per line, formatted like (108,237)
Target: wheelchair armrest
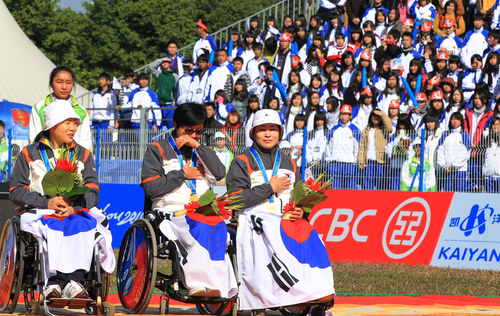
(24,208)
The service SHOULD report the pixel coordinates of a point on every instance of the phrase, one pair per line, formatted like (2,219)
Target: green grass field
(358,278)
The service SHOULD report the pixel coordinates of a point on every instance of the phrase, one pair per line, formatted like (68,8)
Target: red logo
(20,117)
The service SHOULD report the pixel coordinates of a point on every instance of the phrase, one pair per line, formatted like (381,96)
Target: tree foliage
(116,34)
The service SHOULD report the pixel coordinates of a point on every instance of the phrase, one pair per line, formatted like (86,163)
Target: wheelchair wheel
(295,310)
(137,267)
(11,267)
(215,309)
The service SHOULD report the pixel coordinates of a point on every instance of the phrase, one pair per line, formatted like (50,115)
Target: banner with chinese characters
(439,229)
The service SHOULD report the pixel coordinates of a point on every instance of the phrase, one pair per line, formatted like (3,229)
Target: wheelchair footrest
(75,303)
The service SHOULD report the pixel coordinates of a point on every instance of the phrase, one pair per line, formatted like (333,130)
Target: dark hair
(252,99)
(319,115)
(461,104)
(478,16)
(222,94)
(294,96)
(309,103)
(476,57)
(332,28)
(272,98)
(404,119)
(270,68)
(128,73)
(233,112)
(238,43)
(15,150)
(256,30)
(371,35)
(310,52)
(266,28)
(339,36)
(302,19)
(369,69)
(395,33)
(380,68)
(356,30)
(105,75)
(456,116)
(484,96)
(495,34)
(448,3)
(492,136)
(381,11)
(2,123)
(319,37)
(204,57)
(297,73)
(284,18)
(431,118)
(41,135)
(209,103)
(407,34)
(292,29)
(244,92)
(329,83)
(314,30)
(490,70)
(336,103)
(59,69)
(238,58)
(251,34)
(172,41)
(420,65)
(369,24)
(271,45)
(454,59)
(143,76)
(221,50)
(317,77)
(328,64)
(396,12)
(257,45)
(370,123)
(190,114)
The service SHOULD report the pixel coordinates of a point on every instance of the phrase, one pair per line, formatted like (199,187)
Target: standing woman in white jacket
(316,145)
(61,80)
(453,155)
(491,165)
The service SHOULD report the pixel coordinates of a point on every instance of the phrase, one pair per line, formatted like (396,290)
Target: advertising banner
(470,237)
(381,226)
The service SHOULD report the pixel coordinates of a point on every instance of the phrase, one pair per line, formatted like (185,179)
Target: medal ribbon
(46,159)
(276,166)
(190,183)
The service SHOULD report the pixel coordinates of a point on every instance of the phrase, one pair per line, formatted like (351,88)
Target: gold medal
(272,208)
(193,198)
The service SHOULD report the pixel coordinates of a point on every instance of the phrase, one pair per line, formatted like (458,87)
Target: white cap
(58,112)
(416,141)
(267,116)
(284,144)
(219,135)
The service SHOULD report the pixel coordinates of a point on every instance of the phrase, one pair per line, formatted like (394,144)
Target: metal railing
(279,10)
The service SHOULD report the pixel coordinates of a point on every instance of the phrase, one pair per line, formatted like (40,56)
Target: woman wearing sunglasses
(177,171)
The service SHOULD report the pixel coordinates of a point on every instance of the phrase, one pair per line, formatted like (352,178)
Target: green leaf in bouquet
(56,182)
(311,201)
(206,211)
(297,191)
(207,198)
(75,191)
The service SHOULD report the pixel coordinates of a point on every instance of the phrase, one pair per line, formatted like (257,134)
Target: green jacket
(165,86)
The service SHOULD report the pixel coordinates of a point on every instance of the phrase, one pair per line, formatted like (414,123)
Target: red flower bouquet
(64,179)
(307,195)
(209,205)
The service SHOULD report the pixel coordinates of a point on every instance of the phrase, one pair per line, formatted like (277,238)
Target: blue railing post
(421,184)
(304,145)
(98,149)
(10,152)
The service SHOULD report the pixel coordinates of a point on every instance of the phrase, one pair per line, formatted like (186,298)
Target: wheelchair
(138,274)
(22,268)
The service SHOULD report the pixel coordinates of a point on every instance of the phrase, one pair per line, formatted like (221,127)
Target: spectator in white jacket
(475,41)
(103,99)
(217,75)
(144,97)
(491,166)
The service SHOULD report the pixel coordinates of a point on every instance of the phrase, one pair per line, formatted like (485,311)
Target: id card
(198,91)
(316,149)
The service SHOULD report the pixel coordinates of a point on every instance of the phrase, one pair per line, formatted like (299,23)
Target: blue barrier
(123,204)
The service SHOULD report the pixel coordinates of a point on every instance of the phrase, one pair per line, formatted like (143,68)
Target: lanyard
(190,183)
(276,166)
(46,159)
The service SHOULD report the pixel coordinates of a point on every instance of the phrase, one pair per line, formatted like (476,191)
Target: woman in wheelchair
(175,172)
(69,226)
(281,262)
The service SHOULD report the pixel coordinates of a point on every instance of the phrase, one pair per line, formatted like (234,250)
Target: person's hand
(65,212)
(192,173)
(377,111)
(166,59)
(450,52)
(219,100)
(448,169)
(384,44)
(259,80)
(316,163)
(154,128)
(57,204)
(411,108)
(118,107)
(426,55)
(361,166)
(230,59)
(186,140)
(417,110)
(288,100)
(443,49)
(280,184)
(356,21)
(139,106)
(318,52)
(296,214)
(483,12)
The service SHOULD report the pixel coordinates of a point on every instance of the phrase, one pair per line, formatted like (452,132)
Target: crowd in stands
(362,77)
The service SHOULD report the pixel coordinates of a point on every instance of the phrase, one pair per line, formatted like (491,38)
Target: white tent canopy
(24,69)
